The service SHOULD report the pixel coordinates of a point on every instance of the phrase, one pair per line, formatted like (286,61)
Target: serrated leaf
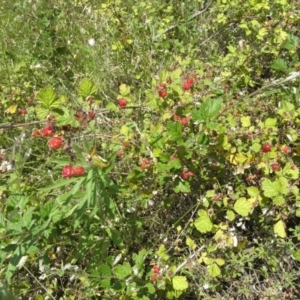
(278,200)
(47,98)
(112,107)
(207,110)
(279,64)
(290,171)
(41,113)
(253,191)
(246,121)
(214,270)
(270,122)
(191,243)
(122,271)
(182,187)
(86,88)
(124,89)
(279,229)
(174,130)
(162,252)
(296,254)
(243,207)
(203,222)
(180,283)
(274,188)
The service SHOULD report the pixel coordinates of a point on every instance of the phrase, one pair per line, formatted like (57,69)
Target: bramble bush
(150,150)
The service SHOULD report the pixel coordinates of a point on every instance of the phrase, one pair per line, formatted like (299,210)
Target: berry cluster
(72,171)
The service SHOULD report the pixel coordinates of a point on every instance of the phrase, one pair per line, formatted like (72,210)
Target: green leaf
(47,98)
(86,88)
(290,171)
(203,223)
(253,191)
(174,130)
(243,207)
(124,90)
(180,283)
(278,200)
(123,271)
(115,237)
(230,215)
(214,270)
(207,110)
(220,262)
(296,254)
(66,118)
(162,252)
(280,65)
(246,121)
(279,229)
(182,187)
(274,188)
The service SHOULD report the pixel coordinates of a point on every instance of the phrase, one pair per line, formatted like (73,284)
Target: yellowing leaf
(12,109)
(243,207)
(203,223)
(279,229)
(180,283)
(246,121)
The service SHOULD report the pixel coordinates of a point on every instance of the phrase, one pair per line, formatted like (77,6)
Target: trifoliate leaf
(279,229)
(214,270)
(243,207)
(203,223)
(180,283)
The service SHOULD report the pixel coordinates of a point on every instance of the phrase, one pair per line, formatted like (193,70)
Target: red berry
(120,153)
(156,269)
(188,84)
(146,161)
(92,115)
(55,142)
(186,175)
(126,144)
(78,171)
(285,149)
(122,102)
(275,167)
(163,93)
(35,133)
(48,130)
(184,121)
(1,158)
(67,171)
(266,148)
(23,111)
